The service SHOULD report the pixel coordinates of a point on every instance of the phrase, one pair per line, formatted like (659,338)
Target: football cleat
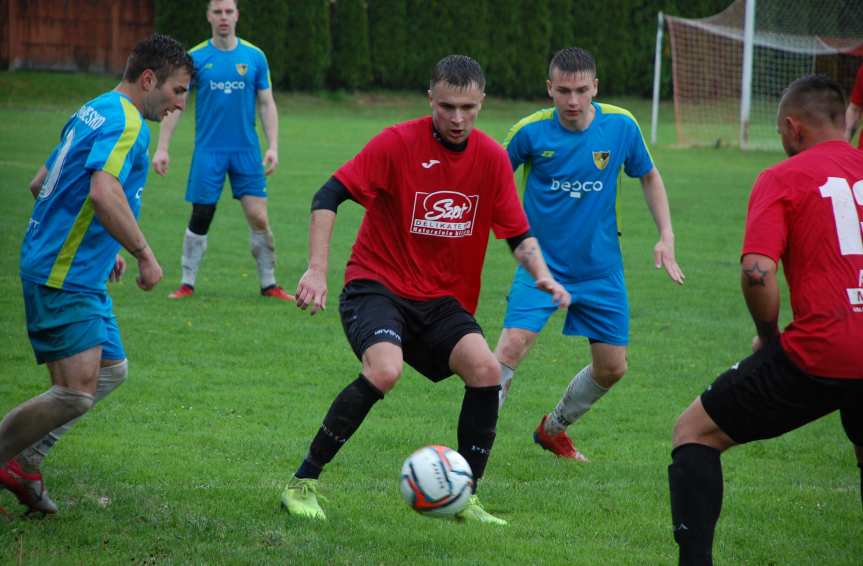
(276,292)
(560,444)
(183,292)
(474,512)
(300,498)
(28,487)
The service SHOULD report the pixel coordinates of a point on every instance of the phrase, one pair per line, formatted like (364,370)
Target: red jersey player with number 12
(432,188)
(806,211)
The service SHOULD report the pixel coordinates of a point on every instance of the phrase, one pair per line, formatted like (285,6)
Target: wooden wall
(73,35)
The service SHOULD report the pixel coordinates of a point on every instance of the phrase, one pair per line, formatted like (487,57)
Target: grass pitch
(185,462)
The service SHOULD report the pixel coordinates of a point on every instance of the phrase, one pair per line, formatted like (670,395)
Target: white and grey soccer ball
(437,481)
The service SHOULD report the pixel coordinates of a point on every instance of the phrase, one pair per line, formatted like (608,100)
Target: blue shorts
(599,309)
(64,323)
(207,175)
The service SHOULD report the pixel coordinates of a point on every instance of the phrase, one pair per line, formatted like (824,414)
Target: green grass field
(185,463)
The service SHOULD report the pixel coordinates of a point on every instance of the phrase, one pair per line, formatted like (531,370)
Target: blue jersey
(65,245)
(570,182)
(226,86)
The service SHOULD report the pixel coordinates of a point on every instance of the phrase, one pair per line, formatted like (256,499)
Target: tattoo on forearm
(756,276)
(136,251)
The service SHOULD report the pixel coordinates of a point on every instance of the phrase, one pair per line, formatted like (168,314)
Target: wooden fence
(72,35)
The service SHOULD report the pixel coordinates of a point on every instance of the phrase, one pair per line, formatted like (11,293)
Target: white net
(791,38)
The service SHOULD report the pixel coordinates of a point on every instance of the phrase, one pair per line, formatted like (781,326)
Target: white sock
(506,374)
(194,246)
(33,419)
(264,252)
(110,378)
(582,393)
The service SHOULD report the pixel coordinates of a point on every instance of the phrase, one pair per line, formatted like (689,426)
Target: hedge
(392,44)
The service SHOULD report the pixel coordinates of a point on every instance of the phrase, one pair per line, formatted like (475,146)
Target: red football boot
(28,487)
(183,292)
(560,444)
(276,292)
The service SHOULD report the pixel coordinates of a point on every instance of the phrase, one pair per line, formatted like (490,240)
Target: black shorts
(426,331)
(766,395)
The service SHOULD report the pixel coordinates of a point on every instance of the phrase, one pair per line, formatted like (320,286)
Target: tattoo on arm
(136,251)
(756,276)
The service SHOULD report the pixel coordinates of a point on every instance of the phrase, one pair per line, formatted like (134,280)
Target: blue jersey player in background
(232,77)
(572,156)
(88,197)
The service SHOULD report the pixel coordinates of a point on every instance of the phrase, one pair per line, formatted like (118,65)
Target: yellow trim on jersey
(539,115)
(250,44)
(117,157)
(612,109)
(544,114)
(70,247)
(199,46)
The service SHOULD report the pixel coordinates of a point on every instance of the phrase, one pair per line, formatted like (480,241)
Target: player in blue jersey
(88,197)
(232,76)
(571,157)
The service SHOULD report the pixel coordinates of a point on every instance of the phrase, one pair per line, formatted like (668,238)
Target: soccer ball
(437,481)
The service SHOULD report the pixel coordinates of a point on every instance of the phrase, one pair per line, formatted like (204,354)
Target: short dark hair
(815,99)
(459,71)
(162,54)
(236,4)
(572,60)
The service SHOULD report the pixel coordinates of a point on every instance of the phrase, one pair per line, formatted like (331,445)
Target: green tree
(388,42)
(351,60)
(307,33)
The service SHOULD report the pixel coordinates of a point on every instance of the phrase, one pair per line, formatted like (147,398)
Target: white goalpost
(729,70)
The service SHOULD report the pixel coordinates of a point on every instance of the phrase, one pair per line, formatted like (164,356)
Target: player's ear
(595,86)
(431,98)
(548,88)
(148,80)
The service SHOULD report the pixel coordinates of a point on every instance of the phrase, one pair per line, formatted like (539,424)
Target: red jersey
(857,98)
(807,211)
(429,211)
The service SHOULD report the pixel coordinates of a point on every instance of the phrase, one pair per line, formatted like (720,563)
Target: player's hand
(663,256)
(756,343)
(312,291)
(160,162)
(119,269)
(271,161)
(559,295)
(149,270)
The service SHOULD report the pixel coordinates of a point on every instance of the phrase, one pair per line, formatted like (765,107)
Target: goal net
(790,38)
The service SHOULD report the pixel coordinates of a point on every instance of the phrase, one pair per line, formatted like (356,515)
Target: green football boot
(475,513)
(300,498)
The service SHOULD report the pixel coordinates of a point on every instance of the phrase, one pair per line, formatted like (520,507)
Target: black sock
(695,482)
(476,426)
(346,414)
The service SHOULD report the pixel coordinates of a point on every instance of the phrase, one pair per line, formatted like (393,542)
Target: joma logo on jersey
(575,188)
(600,159)
(447,214)
(227,86)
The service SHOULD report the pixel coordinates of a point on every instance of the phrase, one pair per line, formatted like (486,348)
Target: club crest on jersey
(445,214)
(242,68)
(600,159)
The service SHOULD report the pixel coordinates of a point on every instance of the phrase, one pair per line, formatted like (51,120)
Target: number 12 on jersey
(848,225)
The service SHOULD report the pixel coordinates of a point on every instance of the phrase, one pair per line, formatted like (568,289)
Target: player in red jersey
(805,211)
(855,109)
(432,188)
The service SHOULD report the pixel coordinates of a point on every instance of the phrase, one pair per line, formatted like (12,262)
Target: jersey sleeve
(113,148)
(517,146)
(638,162)
(368,173)
(509,218)
(857,91)
(262,80)
(766,225)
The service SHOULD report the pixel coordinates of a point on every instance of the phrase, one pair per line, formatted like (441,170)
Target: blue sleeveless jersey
(570,182)
(226,86)
(65,245)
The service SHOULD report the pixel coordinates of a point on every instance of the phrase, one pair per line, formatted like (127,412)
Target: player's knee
(483,373)
(384,376)
(74,403)
(113,376)
(609,374)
